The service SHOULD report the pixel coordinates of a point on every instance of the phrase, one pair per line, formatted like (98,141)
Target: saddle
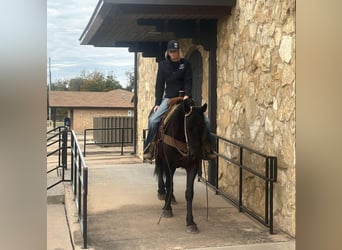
(173,103)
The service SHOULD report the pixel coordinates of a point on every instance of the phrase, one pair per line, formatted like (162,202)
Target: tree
(96,81)
(75,84)
(89,81)
(131,79)
(59,85)
(111,83)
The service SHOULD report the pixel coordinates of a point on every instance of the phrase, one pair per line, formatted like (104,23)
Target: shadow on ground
(136,227)
(123,213)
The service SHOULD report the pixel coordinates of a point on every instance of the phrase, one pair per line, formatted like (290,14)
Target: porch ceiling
(146,25)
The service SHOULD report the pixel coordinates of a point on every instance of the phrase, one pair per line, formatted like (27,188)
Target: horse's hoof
(167,213)
(173,200)
(161,196)
(192,229)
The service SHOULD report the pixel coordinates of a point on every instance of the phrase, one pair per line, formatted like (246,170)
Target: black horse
(180,144)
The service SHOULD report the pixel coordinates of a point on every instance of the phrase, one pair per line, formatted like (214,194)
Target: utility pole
(49,88)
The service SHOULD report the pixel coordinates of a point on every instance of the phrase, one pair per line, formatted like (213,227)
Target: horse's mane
(175,112)
(179,109)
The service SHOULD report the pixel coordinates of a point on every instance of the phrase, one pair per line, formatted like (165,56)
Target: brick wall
(83,118)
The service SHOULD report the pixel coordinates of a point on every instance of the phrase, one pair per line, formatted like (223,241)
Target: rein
(182,147)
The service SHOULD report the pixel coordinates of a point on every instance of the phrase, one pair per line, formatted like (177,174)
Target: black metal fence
(112,131)
(257,170)
(79,174)
(249,165)
(58,139)
(104,132)
(57,144)
(119,137)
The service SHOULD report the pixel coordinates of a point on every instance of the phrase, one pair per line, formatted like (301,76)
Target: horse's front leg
(161,183)
(167,209)
(191,226)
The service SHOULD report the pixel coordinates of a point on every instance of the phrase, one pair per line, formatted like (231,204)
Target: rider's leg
(153,124)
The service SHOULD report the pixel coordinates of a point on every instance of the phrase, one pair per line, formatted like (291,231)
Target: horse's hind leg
(161,182)
(167,209)
(189,195)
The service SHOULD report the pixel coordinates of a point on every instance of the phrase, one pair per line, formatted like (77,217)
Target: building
(243,57)
(83,106)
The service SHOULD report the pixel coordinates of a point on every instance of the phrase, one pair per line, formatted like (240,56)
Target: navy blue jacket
(172,77)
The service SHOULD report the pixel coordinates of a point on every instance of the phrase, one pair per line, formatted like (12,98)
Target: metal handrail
(122,142)
(79,180)
(79,172)
(60,137)
(269,177)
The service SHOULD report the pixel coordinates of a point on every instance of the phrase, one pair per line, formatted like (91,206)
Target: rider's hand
(155,108)
(185,97)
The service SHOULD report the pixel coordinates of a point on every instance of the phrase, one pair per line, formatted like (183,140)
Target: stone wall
(256,97)
(147,70)
(256,93)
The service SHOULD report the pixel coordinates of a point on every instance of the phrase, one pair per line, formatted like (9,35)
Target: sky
(66,21)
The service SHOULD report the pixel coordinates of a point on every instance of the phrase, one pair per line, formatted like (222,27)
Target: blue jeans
(154,120)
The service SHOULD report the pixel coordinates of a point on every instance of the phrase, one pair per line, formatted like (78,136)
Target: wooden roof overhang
(147,25)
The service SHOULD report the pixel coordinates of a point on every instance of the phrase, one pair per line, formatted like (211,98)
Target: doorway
(195,59)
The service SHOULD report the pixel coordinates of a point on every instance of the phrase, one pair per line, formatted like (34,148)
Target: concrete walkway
(58,233)
(123,213)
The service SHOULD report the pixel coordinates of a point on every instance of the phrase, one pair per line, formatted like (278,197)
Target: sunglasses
(173,51)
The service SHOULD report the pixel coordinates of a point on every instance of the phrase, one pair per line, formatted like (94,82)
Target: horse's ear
(204,107)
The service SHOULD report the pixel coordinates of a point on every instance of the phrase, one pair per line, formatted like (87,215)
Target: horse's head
(194,127)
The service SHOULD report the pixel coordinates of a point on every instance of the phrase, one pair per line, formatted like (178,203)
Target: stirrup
(148,156)
(149,152)
(209,156)
(208,153)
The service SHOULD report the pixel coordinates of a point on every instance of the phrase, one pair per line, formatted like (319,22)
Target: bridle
(186,131)
(182,147)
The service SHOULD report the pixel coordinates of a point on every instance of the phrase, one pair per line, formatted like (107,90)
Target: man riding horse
(174,76)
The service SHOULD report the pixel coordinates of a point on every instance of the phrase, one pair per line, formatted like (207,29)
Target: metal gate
(108,130)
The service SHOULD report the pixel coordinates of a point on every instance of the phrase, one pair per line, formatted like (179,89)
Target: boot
(208,153)
(149,151)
